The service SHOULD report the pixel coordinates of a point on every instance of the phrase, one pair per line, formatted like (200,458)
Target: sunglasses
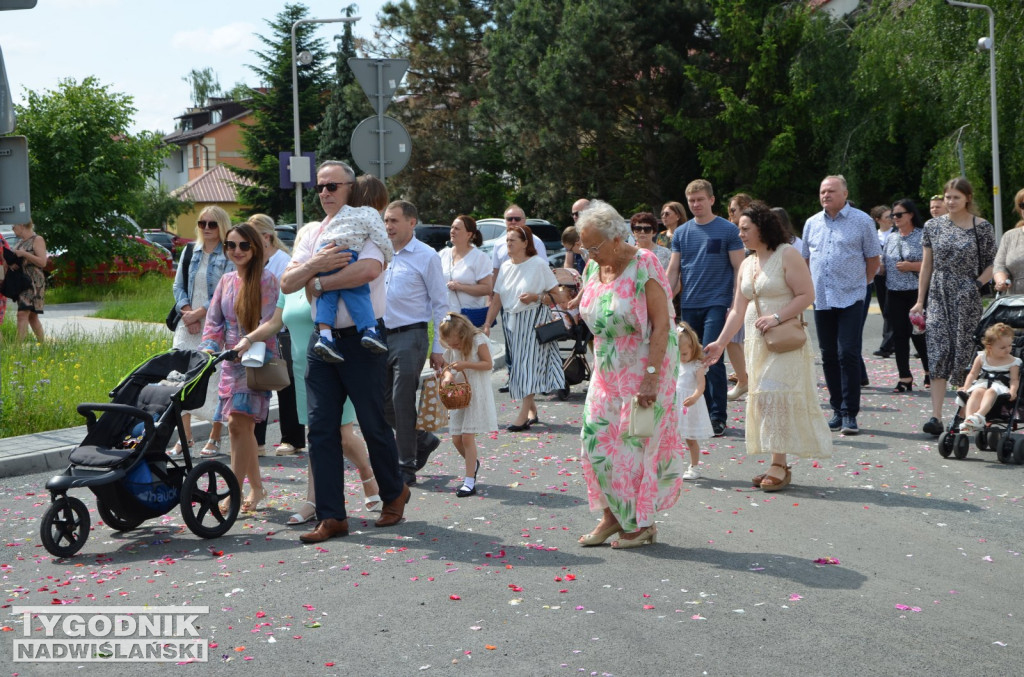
(244,246)
(513,218)
(575,215)
(667,213)
(899,215)
(1021,205)
(643,229)
(207,224)
(331,187)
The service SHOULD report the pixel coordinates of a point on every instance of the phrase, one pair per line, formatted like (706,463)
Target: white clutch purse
(641,419)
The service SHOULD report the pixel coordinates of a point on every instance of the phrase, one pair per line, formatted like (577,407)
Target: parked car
(286,233)
(7,233)
(435,236)
(549,234)
(151,260)
(491,228)
(172,242)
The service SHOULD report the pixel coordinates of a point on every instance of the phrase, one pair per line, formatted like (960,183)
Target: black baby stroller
(1004,419)
(575,366)
(122,459)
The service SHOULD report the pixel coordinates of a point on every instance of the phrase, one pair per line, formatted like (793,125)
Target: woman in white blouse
(525,283)
(467,270)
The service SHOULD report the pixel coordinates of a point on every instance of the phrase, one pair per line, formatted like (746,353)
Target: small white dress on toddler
(694,422)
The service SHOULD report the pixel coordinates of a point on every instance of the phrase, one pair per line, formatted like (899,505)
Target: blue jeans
(361,377)
(708,323)
(840,337)
(357,300)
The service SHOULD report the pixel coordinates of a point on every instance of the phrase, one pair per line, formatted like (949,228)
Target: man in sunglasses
(360,376)
(416,294)
(706,254)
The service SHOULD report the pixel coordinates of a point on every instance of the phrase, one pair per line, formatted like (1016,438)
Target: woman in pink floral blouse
(243,311)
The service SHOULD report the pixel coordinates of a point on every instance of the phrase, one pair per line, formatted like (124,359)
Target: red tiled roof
(216,185)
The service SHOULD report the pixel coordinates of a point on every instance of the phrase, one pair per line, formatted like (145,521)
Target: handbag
(475,315)
(641,419)
(989,288)
(576,369)
(555,330)
(456,395)
(430,414)
(174,315)
(15,283)
(273,375)
(785,337)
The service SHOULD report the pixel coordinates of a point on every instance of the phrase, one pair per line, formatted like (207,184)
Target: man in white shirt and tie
(416,294)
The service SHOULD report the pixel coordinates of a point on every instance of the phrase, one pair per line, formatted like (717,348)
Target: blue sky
(143,48)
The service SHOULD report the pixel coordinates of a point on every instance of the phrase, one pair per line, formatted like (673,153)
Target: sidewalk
(50,450)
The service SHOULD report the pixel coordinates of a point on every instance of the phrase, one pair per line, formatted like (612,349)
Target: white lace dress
(783,411)
(694,423)
(481,416)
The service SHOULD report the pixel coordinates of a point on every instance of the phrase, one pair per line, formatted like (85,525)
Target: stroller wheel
(1004,452)
(204,488)
(65,527)
(961,445)
(1018,451)
(563,394)
(994,438)
(113,520)
(981,440)
(945,444)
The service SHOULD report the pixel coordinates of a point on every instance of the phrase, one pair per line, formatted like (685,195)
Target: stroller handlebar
(228,355)
(88,409)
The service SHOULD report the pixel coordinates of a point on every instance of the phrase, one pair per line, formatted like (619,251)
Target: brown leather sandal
(769,483)
(758,479)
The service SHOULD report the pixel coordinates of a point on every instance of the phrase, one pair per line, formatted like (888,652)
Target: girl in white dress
(468,351)
(693,420)
(995,372)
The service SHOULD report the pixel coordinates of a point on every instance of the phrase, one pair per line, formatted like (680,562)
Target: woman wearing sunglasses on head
(644,225)
(1009,266)
(201,266)
(244,311)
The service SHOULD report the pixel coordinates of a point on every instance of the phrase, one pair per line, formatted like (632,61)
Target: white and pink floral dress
(634,477)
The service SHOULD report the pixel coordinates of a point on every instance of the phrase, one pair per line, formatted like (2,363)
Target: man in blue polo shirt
(842,250)
(706,253)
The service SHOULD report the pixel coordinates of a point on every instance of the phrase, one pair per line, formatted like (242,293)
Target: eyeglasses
(899,215)
(593,250)
(207,224)
(331,187)
(244,246)
(513,218)
(643,229)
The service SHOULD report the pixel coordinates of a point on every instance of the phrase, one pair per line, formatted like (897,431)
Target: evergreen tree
(272,132)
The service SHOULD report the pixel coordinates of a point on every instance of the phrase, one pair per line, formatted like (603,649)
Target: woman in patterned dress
(32,252)
(243,311)
(783,411)
(625,302)
(959,249)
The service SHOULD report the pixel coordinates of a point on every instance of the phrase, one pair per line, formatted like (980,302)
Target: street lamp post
(989,44)
(295,113)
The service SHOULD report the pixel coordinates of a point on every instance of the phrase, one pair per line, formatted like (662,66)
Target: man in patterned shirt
(843,253)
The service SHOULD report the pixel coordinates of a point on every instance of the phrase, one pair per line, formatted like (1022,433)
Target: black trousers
(882,292)
(898,305)
(292,432)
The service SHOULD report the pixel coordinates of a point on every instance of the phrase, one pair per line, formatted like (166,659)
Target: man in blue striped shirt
(842,250)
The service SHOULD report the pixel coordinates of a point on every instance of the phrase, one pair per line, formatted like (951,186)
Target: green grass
(146,299)
(42,384)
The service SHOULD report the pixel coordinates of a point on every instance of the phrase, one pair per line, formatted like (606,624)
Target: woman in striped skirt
(522,288)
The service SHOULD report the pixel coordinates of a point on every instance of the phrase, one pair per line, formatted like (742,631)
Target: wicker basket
(456,395)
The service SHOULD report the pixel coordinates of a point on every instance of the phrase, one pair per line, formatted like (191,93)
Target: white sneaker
(691,473)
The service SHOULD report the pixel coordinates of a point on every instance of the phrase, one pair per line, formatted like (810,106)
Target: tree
(579,97)
(204,84)
(85,167)
(348,105)
(454,164)
(271,132)
(155,206)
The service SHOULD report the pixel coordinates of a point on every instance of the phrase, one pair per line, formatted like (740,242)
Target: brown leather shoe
(391,513)
(325,529)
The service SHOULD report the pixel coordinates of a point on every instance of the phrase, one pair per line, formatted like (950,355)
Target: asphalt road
(927,578)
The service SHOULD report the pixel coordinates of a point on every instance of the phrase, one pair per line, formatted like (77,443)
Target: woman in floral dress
(625,302)
(243,311)
(959,249)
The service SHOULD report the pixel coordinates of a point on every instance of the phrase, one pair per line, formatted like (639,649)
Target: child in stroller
(123,461)
(995,372)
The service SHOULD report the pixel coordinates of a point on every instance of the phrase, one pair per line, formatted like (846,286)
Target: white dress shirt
(416,290)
